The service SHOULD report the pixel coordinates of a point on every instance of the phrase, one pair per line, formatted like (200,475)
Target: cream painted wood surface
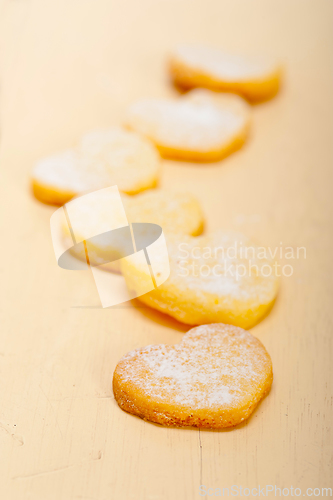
(68,66)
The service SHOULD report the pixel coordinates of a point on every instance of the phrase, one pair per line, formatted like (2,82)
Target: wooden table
(71,65)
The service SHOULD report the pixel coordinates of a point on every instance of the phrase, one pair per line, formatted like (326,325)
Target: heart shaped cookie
(104,158)
(214,378)
(255,77)
(221,277)
(174,211)
(199,126)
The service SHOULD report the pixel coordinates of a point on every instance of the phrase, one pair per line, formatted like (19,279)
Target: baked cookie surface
(174,211)
(199,126)
(222,277)
(255,77)
(104,158)
(213,379)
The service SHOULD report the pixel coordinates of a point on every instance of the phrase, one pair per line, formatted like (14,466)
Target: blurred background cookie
(176,212)
(198,126)
(255,77)
(104,158)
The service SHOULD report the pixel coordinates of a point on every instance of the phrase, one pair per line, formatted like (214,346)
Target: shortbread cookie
(214,378)
(218,278)
(255,77)
(104,158)
(198,126)
(174,211)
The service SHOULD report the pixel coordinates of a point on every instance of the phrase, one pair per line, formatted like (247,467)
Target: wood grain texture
(67,66)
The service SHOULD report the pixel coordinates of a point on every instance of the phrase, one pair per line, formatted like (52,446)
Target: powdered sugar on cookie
(199,123)
(256,77)
(218,277)
(226,66)
(216,368)
(104,158)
